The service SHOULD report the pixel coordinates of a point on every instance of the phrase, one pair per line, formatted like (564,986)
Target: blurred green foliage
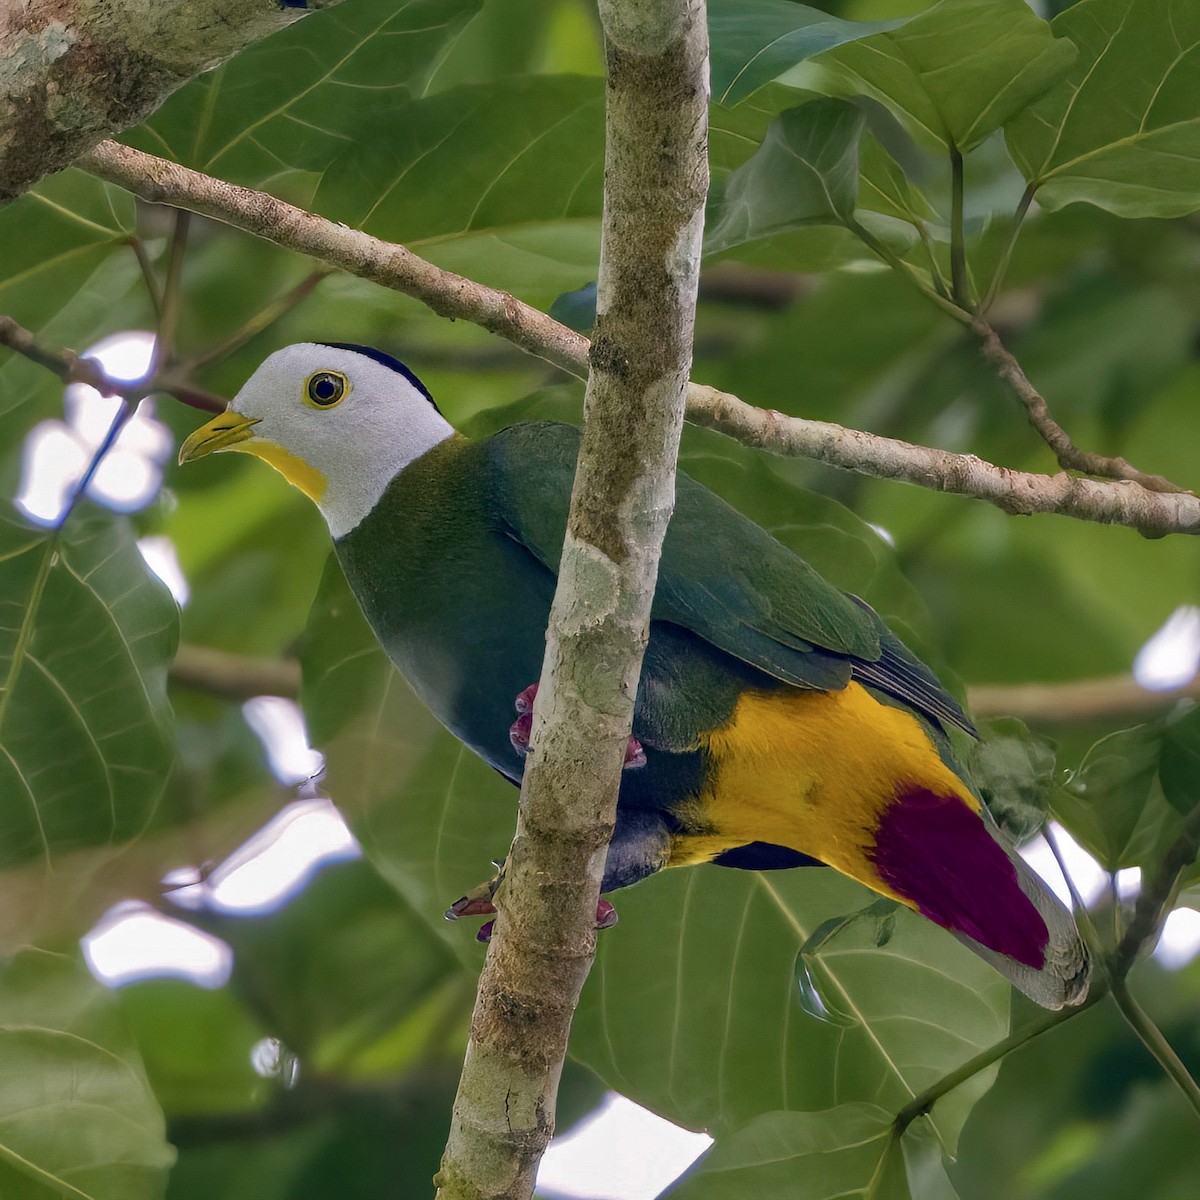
(772,1010)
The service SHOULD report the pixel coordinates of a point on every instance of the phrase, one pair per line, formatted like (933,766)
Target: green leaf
(1106,798)
(86,633)
(519,162)
(1122,129)
(54,238)
(692,1007)
(1179,768)
(77,1117)
(884,188)
(294,101)
(755,41)
(805,173)
(958,71)
(847,1151)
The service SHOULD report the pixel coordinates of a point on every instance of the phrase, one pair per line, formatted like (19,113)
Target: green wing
(724,578)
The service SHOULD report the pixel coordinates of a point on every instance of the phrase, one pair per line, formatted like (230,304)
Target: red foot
(522,727)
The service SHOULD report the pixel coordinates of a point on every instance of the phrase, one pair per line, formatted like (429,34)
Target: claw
(470,906)
(520,730)
(635,756)
(478,901)
(606,918)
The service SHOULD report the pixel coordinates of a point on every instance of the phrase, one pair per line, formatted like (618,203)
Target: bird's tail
(1066,971)
(954,866)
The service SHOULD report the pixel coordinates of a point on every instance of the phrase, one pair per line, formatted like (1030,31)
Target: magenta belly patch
(936,852)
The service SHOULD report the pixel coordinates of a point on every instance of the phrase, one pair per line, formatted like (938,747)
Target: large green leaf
(843,1152)
(296,100)
(520,161)
(1179,767)
(958,71)
(77,1117)
(1110,805)
(54,237)
(805,173)
(86,633)
(693,1007)
(1122,129)
(755,41)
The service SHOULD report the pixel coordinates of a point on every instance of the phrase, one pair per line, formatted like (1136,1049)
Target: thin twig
(148,275)
(124,413)
(935,271)
(450,295)
(74,368)
(921,1104)
(1069,456)
(1149,1034)
(1148,910)
(263,319)
(172,294)
(864,235)
(1006,252)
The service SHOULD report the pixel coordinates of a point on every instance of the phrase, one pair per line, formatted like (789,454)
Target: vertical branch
(655,185)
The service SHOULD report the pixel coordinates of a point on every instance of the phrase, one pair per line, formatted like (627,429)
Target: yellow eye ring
(324,389)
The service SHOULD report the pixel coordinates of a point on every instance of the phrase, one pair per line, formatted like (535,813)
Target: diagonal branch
(1069,456)
(1123,502)
(74,368)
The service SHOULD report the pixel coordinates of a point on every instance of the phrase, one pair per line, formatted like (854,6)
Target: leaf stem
(920,1104)
(961,288)
(898,264)
(1006,252)
(935,272)
(1079,909)
(148,276)
(265,317)
(1148,911)
(172,293)
(1152,1038)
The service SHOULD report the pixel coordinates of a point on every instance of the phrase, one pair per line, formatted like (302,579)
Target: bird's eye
(324,389)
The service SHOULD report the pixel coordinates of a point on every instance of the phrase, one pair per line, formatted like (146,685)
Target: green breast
(459,606)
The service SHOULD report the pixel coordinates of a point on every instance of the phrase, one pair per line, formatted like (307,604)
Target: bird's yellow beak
(223,432)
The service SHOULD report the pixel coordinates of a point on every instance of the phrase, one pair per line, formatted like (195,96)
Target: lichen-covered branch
(656,178)
(75,71)
(1118,502)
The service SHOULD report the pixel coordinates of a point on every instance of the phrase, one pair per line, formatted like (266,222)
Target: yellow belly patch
(812,771)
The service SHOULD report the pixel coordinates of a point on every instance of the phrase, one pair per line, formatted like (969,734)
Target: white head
(337,421)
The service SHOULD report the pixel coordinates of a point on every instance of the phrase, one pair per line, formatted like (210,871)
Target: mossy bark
(656,178)
(73,72)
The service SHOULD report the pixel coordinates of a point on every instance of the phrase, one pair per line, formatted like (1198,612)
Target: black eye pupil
(325,389)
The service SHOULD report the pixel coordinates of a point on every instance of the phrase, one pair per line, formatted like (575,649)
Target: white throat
(358,474)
